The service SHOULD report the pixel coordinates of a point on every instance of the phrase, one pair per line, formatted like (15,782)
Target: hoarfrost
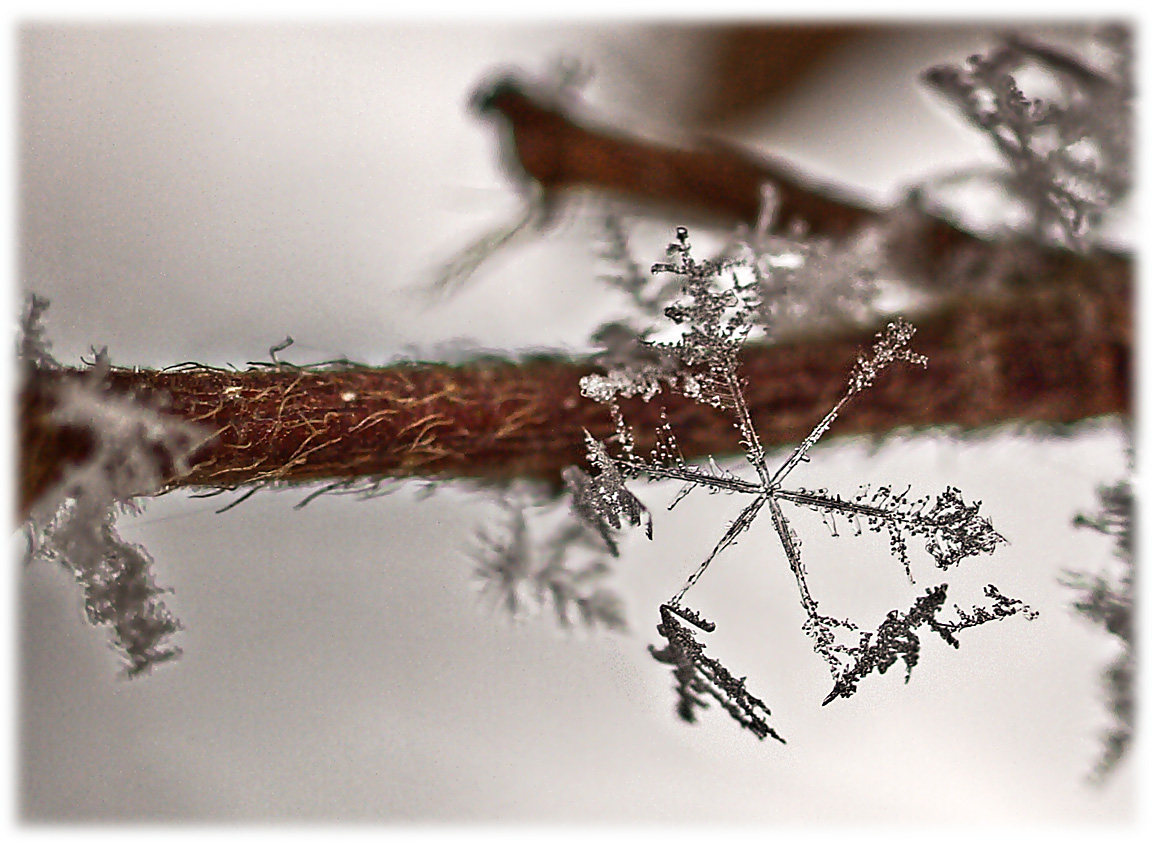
(134,449)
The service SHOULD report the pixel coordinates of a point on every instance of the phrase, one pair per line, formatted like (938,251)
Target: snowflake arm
(699,676)
(891,346)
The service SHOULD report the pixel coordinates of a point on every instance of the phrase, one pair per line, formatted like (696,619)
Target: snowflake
(715,313)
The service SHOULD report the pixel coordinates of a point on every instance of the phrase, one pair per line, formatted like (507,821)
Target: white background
(198,193)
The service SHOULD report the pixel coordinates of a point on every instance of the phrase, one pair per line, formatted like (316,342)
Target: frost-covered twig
(346,426)
(1069,360)
(559,150)
(134,449)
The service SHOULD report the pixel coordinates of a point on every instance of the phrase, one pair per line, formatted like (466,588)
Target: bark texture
(1051,356)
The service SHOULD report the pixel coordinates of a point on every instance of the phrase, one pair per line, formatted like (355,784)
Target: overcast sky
(199,193)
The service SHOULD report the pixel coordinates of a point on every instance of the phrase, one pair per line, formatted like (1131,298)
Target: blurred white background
(200,192)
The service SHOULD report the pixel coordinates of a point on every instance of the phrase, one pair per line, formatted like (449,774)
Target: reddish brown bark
(1054,356)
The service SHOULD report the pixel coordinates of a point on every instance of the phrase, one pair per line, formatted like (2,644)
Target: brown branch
(1051,356)
(1054,345)
(543,143)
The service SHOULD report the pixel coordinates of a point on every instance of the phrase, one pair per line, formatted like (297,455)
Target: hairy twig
(1046,355)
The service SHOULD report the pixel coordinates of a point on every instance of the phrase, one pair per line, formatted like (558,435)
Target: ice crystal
(810,284)
(890,348)
(603,501)
(1068,152)
(116,576)
(32,347)
(717,310)
(804,283)
(896,636)
(1107,600)
(715,313)
(699,675)
(623,272)
(523,572)
(135,449)
(952,529)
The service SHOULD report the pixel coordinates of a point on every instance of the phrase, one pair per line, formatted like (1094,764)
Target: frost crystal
(522,571)
(116,576)
(715,313)
(890,348)
(1068,152)
(698,675)
(1107,600)
(953,530)
(896,637)
(603,501)
(134,449)
(32,347)
(811,284)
